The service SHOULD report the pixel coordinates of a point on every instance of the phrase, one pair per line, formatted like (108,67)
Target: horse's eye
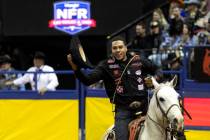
(161,99)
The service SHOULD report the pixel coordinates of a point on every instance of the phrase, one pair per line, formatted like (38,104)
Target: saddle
(135,127)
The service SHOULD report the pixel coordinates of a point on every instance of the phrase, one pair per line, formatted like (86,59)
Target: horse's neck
(152,130)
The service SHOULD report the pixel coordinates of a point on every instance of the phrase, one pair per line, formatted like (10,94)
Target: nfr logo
(72,17)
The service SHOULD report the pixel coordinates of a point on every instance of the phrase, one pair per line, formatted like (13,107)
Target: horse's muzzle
(178,124)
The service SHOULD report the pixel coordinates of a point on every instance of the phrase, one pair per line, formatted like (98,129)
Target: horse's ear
(155,83)
(173,82)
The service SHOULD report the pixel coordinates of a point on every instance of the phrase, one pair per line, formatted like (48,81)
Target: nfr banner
(72,17)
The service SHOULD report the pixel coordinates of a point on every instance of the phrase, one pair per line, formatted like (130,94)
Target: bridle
(161,109)
(171,128)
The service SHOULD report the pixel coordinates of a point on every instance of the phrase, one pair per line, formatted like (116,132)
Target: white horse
(164,117)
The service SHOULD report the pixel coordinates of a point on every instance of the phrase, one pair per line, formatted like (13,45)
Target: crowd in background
(162,38)
(40,76)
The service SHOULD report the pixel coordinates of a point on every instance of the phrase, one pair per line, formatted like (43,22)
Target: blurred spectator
(175,51)
(6,75)
(176,3)
(155,39)
(203,34)
(159,16)
(139,43)
(201,38)
(38,80)
(192,9)
(184,39)
(192,12)
(176,22)
(203,7)
(156,36)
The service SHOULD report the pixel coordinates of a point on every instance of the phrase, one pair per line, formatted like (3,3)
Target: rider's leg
(122,118)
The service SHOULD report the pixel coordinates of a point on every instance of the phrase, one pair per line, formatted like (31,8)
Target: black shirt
(131,87)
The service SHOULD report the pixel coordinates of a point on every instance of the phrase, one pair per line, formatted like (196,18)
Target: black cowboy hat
(78,54)
(5,59)
(39,55)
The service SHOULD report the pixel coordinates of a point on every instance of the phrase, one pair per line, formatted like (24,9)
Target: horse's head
(166,101)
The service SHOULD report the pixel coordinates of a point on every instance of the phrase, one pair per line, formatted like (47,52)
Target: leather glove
(148,82)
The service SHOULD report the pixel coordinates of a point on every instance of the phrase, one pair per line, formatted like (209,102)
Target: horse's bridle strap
(161,109)
(155,122)
(170,108)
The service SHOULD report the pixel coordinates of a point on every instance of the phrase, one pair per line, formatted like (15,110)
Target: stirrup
(138,113)
(110,136)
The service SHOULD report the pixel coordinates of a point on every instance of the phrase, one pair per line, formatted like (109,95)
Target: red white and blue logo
(72,17)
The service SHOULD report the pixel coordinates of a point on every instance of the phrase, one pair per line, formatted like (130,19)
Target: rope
(120,80)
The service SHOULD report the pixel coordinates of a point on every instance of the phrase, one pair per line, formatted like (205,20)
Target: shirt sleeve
(91,77)
(22,80)
(53,81)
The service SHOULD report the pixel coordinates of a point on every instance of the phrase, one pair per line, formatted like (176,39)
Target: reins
(187,113)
